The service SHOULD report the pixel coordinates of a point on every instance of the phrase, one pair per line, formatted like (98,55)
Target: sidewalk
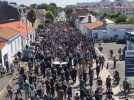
(105,72)
(4,82)
(8,80)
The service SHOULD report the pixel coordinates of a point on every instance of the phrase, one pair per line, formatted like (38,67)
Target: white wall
(11,48)
(115,31)
(5,50)
(31,37)
(61,16)
(103,34)
(85,20)
(77,23)
(100,34)
(82,28)
(130,45)
(93,18)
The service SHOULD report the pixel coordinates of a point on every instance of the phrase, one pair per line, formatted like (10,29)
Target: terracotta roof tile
(94,25)
(7,33)
(21,26)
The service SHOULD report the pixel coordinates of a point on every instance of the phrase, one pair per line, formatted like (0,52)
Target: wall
(130,45)
(77,23)
(112,32)
(5,50)
(82,28)
(109,32)
(31,37)
(11,48)
(14,45)
(100,34)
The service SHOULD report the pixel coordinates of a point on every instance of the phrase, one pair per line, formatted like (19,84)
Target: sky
(61,3)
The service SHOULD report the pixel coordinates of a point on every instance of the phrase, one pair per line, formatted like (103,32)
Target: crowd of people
(47,80)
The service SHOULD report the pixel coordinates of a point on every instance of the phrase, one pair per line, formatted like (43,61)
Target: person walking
(98,94)
(27,89)
(91,77)
(76,97)
(108,82)
(74,74)
(109,94)
(102,61)
(114,62)
(69,92)
(97,70)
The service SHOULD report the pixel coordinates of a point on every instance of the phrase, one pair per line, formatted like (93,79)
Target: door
(5,59)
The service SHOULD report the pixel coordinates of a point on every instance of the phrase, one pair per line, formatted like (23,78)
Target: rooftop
(21,26)
(7,33)
(94,25)
(80,12)
(128,27)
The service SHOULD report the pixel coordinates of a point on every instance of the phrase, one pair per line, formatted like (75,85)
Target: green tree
(53,4)
(114,15)
(31,16)
(130,20)
(43,6)
(105,15)
(49,16)
(68,12)
(33,5)
(53,8)
(40,27)
(120,19)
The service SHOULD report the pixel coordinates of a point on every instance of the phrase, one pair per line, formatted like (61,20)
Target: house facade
(81,18)
(61,16)
(92,28)
(21,34)
(24,28)
(104,31)
(129,58)
(10,44)
(130,40)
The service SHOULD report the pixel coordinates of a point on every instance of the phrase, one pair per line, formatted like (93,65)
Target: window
(11,47)
(0,57)
(15,45)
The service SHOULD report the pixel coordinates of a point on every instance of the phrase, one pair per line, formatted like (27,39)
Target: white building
(111,31)
(14,37)
(129,58)
(118,30)
(61,16)
(130,40)
(93,29)
(81,21)
(24,28)
(10,44)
